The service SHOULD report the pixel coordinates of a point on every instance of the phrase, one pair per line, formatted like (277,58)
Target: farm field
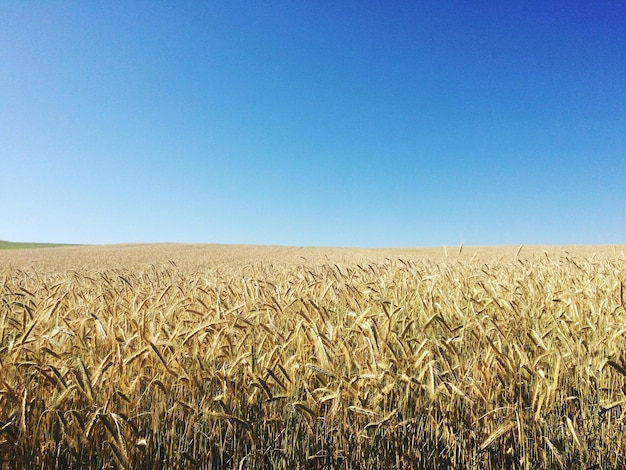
(253,357)
(4,245)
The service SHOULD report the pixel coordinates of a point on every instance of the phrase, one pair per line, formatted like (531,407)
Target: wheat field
(250,357)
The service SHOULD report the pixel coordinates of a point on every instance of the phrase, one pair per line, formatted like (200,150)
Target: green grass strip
(4,245)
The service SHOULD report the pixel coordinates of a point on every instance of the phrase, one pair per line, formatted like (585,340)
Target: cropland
(255,357)
(5,245)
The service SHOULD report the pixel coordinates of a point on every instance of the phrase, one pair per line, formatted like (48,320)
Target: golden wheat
(312,361)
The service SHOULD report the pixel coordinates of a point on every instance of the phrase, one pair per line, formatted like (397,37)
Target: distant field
(207,256)
(4,245)
(254,357)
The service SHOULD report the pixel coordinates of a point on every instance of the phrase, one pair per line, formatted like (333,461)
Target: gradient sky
(349,123)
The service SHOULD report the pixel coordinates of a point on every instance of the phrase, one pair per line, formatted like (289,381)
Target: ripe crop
(398,362)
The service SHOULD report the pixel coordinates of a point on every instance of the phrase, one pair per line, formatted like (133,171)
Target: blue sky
(348,123)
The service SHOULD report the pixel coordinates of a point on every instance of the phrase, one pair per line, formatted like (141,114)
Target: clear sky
(348,123)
